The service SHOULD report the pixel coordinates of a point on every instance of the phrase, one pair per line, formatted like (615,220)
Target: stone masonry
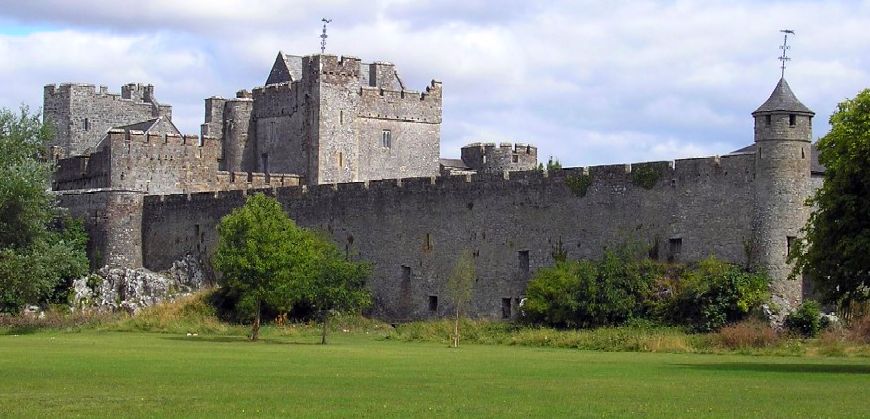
(348,149)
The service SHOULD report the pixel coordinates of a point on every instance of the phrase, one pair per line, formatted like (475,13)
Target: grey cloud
(590,82)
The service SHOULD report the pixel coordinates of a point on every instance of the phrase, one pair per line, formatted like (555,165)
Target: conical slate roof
(783,100)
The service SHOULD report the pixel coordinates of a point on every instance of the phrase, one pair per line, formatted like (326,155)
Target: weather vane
(323,36)
(784,47)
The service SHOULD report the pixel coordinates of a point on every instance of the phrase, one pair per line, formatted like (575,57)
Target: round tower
(237,117)
(506,157)
(783,133)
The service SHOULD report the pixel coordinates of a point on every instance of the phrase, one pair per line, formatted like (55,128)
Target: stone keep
(81,115)
(330,120)
(783,133)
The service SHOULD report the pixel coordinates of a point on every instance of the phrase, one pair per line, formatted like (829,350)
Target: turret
(506,157)
(783,132)
(238,152)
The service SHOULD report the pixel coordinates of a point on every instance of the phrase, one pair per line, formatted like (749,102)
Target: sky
(589,82)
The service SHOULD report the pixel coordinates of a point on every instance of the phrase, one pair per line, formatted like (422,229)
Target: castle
(347,148)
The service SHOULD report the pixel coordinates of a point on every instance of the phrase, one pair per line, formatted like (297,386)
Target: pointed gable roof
(287,68)
(783,100)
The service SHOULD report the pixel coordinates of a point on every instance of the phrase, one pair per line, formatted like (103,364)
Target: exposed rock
(133,289)
(33,311)
(777,310)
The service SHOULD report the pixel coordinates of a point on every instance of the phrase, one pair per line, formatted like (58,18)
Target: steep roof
(157,125)
(783,100)
(286,68)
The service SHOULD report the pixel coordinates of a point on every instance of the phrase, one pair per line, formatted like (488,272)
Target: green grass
(94,373)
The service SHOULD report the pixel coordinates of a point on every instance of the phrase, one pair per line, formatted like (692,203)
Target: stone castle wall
(413,229)
(113,221)
(158,164)
(81,114)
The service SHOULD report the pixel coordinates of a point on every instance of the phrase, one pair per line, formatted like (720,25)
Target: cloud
(590,82)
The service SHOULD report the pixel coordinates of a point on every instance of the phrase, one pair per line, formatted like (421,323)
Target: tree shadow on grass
(791,368)
(234,339)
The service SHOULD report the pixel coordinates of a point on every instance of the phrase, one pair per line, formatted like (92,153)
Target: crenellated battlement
(736,170)
(332,65)
(119,137)
(82,113)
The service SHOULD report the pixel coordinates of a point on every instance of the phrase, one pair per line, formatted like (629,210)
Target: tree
(836,250)
(460,286)
(553,164)
(340,284)
(263,257)
(41,250)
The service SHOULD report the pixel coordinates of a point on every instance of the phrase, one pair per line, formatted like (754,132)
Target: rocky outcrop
(133,289)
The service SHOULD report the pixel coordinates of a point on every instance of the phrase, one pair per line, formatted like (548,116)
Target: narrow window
(803,153)
(265,158)
(675,247)
(87,124)
(789,243)
(340,160)
(387,138)
(505,308)
(523,256)
(427,242)
(767,119)
(433,303)
(341,117)
(792,118)
(515,158)
(484,159)
(406,273)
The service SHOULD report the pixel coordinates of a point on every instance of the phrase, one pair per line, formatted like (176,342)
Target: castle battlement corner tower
(783,133)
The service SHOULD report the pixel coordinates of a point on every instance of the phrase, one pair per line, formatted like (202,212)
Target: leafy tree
(263,257)
(40,250)
(340,284)
(460,286)
(836,253)
(267,261)
(552,165)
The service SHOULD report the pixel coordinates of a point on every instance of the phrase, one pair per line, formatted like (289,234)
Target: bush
(187,314)
(713,294)
(806,320)
(747,334)
(590,293)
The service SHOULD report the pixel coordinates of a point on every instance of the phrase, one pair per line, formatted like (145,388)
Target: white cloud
(590,82)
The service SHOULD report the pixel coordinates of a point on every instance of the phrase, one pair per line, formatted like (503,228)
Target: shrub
(191,313)
(806,320)
(645,176)
(859,329)
(713,294)
(579,184)
(747,334)
(590,293)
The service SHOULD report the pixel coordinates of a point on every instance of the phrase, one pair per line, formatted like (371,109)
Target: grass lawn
(141,374)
